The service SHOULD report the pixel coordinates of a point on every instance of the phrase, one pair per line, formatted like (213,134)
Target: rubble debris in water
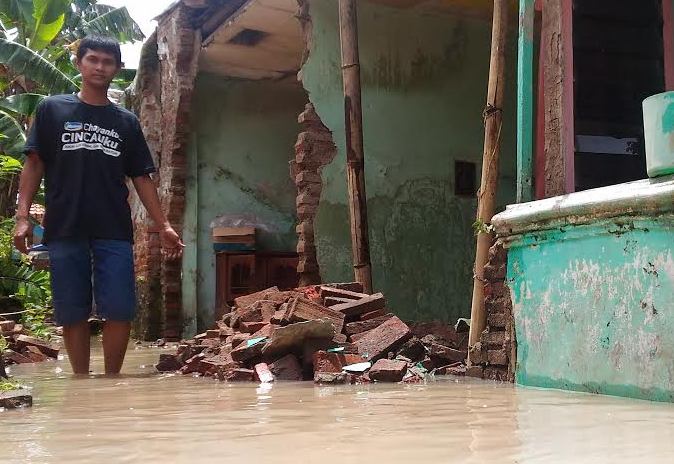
(15,399)
(331,334)
(22,348)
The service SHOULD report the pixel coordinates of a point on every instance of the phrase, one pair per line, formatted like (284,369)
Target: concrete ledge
(644,198)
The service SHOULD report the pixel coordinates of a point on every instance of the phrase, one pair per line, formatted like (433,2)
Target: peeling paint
(597,297)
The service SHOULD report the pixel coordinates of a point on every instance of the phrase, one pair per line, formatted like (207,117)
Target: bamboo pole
(493,119)
(348,28)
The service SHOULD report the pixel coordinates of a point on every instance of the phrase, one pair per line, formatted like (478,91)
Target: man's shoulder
(56,99)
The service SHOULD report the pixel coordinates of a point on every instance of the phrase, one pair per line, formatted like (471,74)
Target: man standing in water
(86,147)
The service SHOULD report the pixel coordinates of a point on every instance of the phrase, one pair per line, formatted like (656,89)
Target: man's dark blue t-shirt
(88,152)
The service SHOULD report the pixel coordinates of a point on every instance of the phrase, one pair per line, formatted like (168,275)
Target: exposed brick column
(178,48)
(145,100)
(313,150)
(494,357)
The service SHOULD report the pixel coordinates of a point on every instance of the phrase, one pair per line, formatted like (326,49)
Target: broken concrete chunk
(247,300)
(22,341)
(246,352)
(387,337)
(168,363)
(302,309)
(386,370)
(287,339)
(362,306)
(287,368)
(330,377)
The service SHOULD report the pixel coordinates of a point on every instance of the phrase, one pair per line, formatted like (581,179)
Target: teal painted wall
(424,90)
(594,308)
(243,138)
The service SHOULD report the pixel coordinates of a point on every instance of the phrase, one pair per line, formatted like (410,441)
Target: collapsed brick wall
(314,149)
(179,46)
(494,357)
(165,84)
(145,100)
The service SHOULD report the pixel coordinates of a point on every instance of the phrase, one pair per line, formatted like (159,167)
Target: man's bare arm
(31,176)
(147,192)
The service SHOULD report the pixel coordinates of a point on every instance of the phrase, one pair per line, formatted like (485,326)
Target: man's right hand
(23,234)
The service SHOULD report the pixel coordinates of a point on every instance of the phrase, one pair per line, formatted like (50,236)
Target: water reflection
(167,418)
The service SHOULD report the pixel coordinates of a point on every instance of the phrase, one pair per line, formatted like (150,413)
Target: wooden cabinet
(239,274)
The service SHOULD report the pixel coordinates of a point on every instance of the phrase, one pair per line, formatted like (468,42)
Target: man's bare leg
(77,340)
(115,340)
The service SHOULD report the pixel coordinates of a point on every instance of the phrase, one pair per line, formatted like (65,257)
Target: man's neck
(93,95)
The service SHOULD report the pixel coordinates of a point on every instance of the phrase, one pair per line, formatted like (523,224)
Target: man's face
(98,68)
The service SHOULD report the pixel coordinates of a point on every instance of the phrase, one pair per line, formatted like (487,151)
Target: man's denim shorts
(79,265)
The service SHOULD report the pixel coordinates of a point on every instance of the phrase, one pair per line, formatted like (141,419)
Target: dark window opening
(465,183)
(618,62)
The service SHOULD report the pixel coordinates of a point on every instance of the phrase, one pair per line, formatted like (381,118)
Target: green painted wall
(424,90)
(242,141)
(593,308)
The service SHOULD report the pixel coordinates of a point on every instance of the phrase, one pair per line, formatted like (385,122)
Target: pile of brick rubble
(332,333)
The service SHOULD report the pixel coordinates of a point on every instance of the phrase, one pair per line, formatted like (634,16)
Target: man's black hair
(100,43)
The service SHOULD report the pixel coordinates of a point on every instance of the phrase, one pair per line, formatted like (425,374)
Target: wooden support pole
(557,45)
(525,102)
(493,122)
(355,168)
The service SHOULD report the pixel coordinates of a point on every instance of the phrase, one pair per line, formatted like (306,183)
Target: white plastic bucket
(659,134)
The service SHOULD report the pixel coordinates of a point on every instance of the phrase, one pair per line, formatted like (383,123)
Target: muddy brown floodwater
(148,417)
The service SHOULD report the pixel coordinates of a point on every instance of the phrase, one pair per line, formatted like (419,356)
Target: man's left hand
(171,245)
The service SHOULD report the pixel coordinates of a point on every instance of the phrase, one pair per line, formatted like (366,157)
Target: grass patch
(8,385)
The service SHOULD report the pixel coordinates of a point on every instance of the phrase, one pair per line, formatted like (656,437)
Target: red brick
(387,337)
(15,399)
(386,370)
(340,338)
(350,286)
(7,326)
(332,301)
(35,355)
(216,363)
(302,309)
(326,292)
(252,327)
(168,363)
(373,315)
(362,306)
(497,357)
(330,377)
(23,341)
(494,339)
(353,328)
(287,368)
(447,353)
(334,362)
(237,375)
(247,300)
(475,371)
(238,339)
